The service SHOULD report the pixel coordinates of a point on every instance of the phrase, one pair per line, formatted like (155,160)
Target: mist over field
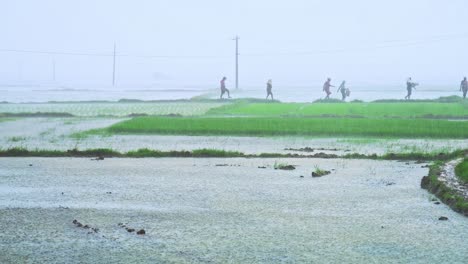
(188,44)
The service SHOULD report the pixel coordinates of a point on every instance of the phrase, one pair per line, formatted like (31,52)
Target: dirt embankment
(444,184)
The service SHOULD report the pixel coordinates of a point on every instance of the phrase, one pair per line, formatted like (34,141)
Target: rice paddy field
(201,178)
(405,128)
(250,126)
(395,119)
(118,109)
(364,110)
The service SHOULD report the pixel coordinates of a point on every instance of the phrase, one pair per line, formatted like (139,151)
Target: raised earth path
(448,177)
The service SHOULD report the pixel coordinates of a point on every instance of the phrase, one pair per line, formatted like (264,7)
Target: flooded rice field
(43,94)
(112,108)
(57,134)
(222,211)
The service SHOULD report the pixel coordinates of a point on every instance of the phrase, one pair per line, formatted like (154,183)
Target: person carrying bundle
(410,85)
(345,92)
(269,87)
(464,87)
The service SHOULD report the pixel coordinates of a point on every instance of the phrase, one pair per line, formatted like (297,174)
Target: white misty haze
(296,42)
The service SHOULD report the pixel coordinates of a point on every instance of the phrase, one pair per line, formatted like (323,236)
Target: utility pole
(113,68)
(53,70)
(237,61)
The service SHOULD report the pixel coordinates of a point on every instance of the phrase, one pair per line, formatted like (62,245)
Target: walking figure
(224,89)
(269,87)
(464,87)
(344,91)
(326,88)
(410,85)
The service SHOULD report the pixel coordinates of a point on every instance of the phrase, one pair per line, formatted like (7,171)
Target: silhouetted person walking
(269,87)
(224,89)
(326,88)
(464,87)
(344,92)
(410,85)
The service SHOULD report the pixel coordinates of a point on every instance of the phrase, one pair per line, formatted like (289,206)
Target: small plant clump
(319,172)
(283,166)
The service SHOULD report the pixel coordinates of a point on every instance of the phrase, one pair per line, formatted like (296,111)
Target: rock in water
(443,218)
(320,173)
(141,232)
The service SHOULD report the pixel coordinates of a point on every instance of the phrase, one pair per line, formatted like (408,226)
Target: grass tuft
(283,166)
(318,172)
(462,170)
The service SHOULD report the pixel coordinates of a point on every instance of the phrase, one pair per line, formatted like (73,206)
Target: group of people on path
(226,90)
(345,92)
(410,85)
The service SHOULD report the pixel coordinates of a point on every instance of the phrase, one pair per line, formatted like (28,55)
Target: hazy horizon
(189,43)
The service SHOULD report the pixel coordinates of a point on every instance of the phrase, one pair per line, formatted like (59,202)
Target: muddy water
(113,108)
(195,210)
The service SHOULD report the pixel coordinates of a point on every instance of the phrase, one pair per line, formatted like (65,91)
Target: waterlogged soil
(48,133)
(56,134)
(112,108)
(195,211)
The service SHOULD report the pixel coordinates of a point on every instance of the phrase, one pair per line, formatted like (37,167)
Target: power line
(344,50)
(56,53)
(383,45)
(107,54)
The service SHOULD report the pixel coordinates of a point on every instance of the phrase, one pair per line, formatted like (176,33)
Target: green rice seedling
(369,110)
(216,153)
(16,139)
(283,166)
(276,126)
(318,172)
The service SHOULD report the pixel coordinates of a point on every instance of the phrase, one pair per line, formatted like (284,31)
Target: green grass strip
(216,153)
(328,127)
(462,170)
(368,110)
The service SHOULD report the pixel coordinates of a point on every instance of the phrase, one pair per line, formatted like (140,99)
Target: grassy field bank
(444,193)
(462,170)
(102,153)
(276,126)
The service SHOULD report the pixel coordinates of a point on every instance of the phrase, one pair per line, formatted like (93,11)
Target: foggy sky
(295,42)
